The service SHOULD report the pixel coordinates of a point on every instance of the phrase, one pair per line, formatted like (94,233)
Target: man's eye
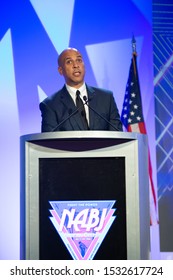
(79,60)
(69,61)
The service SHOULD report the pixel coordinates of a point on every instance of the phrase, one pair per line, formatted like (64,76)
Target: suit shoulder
(53,98)
(101,90)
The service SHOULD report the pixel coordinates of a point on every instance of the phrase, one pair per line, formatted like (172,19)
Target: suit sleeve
(49,118)
(114,116)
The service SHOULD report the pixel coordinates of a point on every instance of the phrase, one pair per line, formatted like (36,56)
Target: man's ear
(60,70)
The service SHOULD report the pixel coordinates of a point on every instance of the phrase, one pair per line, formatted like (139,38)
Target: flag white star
(129,120)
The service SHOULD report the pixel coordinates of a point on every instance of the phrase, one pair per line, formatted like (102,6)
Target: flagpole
(133,45)
(134,55)
(154,228)
(135,123)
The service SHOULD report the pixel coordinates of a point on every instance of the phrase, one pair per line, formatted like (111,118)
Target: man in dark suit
(63,110)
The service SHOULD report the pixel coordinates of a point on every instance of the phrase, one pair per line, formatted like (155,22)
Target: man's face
(72,67)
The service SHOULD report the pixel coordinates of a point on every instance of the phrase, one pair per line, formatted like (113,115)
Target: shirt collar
(73,90)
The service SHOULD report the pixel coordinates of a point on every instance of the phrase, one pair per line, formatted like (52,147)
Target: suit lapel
(93,104)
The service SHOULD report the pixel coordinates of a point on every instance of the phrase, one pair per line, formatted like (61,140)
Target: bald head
(64,53)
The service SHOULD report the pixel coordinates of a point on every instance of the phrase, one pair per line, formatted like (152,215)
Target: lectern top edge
(82,134)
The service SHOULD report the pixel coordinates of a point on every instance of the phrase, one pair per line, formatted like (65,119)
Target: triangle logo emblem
(82,225)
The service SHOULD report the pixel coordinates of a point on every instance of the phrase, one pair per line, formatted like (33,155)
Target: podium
(84,196)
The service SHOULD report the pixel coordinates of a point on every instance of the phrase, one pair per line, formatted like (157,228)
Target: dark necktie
(80,106)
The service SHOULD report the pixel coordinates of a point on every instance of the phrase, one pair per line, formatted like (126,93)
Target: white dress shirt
(83,92)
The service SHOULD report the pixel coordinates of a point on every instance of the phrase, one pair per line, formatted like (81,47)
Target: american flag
(133,120)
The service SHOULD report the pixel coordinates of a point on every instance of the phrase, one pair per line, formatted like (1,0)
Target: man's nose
(75,64)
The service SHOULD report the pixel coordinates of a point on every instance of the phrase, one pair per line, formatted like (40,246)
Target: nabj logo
(82,225)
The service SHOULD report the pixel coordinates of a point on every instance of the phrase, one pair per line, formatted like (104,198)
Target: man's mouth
(77,73)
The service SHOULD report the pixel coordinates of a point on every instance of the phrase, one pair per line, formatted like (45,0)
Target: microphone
(69,116)
(86,102)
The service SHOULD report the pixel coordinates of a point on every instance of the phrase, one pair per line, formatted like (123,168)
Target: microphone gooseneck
(87,101)
(71,113)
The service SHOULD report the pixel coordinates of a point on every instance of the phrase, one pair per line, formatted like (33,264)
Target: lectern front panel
(79,185)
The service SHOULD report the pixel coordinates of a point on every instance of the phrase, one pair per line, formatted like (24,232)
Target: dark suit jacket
(58,107)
